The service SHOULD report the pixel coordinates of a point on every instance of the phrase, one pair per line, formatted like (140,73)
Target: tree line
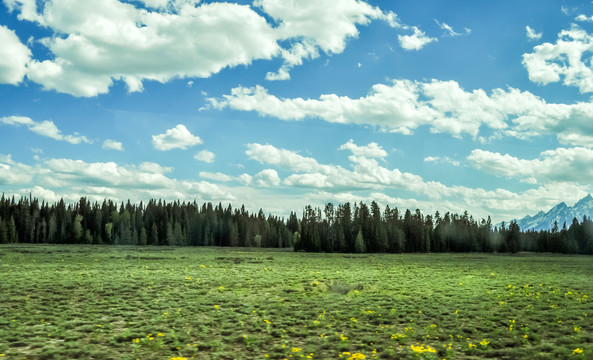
(348,227)
(154,223)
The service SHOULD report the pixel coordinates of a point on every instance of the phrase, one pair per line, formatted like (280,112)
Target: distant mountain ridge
(560,213)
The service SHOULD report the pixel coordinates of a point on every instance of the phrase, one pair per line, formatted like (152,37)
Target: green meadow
(95,302)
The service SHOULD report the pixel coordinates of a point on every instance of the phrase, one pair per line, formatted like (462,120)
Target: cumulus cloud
(72,179)
(178,137)
(416,41)
(14,57)
(245,179)
(94,47)
(372,150)
(562,164)
(286,159)
(113,145)
(366,173)
(364,180)
(267,177)
(532,35)
(567,60)
(314,26)
(12,172)
(118,41)
(366,176)
(45,128)
(205,156)
(444,106)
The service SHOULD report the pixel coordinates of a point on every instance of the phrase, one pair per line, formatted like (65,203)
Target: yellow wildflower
(484,342)
(217,307)
(422,349)
(295,349)
(357,356)
(577,351)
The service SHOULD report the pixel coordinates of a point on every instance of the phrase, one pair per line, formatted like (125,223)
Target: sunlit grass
(163,303)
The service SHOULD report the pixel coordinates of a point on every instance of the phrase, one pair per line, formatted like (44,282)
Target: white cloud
(218,176)
(442,159)
(205,156)
(370,181)
(267,177)
(27,10)
(567,59)
(268,154)
(94,47)
(176,138)
(532,35)
(366,172)
(562,164)
(566,11)
(394,107)
(113,145)
(17,120)
(14,57)
(45,128)
(416,41)
(443,106)
(245,179)
(366,180)
(584,18)
(12,172)
(72,179)
(449,30)
(318,25)
(372,150)
(113,41)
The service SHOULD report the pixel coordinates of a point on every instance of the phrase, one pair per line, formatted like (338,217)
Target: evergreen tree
(143,239)
(359,244)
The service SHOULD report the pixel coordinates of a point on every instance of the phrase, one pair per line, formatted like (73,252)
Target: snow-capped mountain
(560,213)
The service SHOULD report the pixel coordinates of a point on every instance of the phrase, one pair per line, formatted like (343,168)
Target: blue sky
(448,106)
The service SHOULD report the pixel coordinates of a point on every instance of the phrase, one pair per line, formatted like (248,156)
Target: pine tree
(142,240)
(359,245)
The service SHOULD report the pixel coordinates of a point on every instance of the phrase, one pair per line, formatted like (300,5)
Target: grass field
(83,302)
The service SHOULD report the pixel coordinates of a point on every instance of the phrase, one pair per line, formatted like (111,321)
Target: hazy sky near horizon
(449,106)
